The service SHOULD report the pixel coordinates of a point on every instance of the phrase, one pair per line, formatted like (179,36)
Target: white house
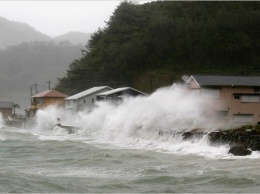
(116,95)
(85,99)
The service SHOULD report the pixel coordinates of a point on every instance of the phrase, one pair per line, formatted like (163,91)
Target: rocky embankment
(241,142)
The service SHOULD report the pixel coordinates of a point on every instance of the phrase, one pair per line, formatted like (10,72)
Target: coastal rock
(239,150)
(241,143)
(255,146)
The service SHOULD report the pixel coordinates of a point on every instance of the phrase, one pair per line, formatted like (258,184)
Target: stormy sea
(117,149)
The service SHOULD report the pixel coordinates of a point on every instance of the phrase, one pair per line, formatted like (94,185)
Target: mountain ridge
(14,33)
(28,56)
(76,38)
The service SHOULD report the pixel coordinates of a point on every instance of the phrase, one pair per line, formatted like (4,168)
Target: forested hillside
(150,45)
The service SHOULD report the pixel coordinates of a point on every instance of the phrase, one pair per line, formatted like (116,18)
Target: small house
(234,99)
(45,99)
(6,108)
(116,95)
(85,99)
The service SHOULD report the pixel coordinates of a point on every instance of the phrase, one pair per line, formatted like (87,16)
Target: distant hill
(28,56)
(34,62)
(74,38)
(14,33)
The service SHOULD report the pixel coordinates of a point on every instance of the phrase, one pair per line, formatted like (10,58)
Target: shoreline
(248,138)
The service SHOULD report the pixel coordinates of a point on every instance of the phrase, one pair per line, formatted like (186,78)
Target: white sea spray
(136,122)
(1,120)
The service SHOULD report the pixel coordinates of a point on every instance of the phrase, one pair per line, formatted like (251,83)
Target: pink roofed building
(233,99)
(45,99)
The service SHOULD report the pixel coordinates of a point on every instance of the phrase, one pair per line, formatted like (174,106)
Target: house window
(243,118)
(68,102)
(237,97)
(222,114)
(256,90)
(40,101)
(248,98)
(100,98)
(84,101)
(211,93)
(93,100)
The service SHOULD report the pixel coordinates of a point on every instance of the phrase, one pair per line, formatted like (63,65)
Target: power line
(36,86)
(54,83)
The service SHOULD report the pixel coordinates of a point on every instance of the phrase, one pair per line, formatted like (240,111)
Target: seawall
(249,139)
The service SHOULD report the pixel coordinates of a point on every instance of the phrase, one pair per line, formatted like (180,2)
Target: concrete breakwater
(249,139)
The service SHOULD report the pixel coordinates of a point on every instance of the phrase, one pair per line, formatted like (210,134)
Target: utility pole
(49,82)
(31,88)
(36,87)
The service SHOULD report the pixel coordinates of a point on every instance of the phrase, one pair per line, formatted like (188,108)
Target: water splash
(144,117)
(47,119)
(1,121)
(163,110)
(136,122)
(140,117)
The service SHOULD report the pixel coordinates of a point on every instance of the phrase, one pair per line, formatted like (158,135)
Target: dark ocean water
(33,162)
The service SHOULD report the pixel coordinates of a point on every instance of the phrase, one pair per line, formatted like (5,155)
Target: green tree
(15,106)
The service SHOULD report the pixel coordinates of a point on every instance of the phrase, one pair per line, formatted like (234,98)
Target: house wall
(194,84)
(86,102)
(6,112)
(245,108)
(233,105)
(44,102)
(56,101)
(71,105)
(117,97)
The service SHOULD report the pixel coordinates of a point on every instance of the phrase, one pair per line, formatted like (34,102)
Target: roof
(50,93)
(119,90)
(87,92)
(6,104)
(208,80)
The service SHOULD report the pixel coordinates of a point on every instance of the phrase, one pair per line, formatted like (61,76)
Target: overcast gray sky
(59,17)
